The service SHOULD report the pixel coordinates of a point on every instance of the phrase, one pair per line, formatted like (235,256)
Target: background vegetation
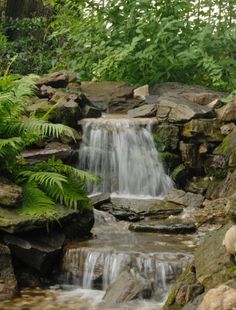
(140,42)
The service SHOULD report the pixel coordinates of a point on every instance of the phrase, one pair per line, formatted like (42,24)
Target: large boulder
(228,112)
(73,223)
(8,284)
(103,94)
(223,297)
(176,109)
(195,93)
(127,286)
(203,130)
(228,148)
(10,193)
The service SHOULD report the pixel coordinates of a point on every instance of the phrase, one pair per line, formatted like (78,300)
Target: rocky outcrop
(58,79)
(128,286)
(10,193)
(222,297)
(8,283)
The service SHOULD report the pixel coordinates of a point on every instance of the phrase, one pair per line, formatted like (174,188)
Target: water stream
(122,152)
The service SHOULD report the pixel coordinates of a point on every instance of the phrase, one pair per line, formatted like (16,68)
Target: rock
(190,156)
(170,160)
(123,105)
(10,193)
(141,92)
(222,188)
(58,79)
(127,286)
(39,106)
(203,130)
(212,263)
(215,104)
(229,241)
(91,112)
(166,137)
(8,283)
(134,210)
(195,93)
(73,223)
(102,218)
(215,165)
(228,112)
(46,92)
(176,109)
(147,110)
(179,175)
(221,298)
(37,250)
(168,226)
(100,199)
(228,148)
(102,94)
(57,149)
(198,185)
(185,199)
(227,129)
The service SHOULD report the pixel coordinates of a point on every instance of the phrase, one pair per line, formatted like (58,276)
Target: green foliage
(148,41)
(26,38)
(44,184)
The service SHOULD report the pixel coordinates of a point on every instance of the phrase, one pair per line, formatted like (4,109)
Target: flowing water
(122,152)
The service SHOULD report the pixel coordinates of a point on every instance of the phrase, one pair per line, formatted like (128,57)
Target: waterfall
(90,266)
(123,154)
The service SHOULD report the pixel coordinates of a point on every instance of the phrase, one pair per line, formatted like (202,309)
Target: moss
(160,142)
(179,175)
(228,148)
(170,160)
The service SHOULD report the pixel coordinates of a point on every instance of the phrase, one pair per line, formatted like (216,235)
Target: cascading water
(122,152)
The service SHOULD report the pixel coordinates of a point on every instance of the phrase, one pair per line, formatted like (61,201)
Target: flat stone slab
(168,226)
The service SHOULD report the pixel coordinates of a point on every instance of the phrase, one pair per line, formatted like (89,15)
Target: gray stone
(91,112)
(178,109)
(8,283)
(228,112)
(147,110)
(185,199)
(10,193)
(227,129)
(37,250)
(141,92)
(127,286)
(57,149)
(58,79)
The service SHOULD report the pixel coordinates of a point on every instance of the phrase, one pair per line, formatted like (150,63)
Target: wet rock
(168,226)
(185,199)
(8,283)
(128,286)
(134,210)
(222,297)
(228,148)
(179,175)
(58,79)
(203,130)
(212,262)
(10,193)
(147,110)
(57,149)
(100,199)
(123,105)
(141,92)
(102,94)
(228,112)
(166,137)
(215,165)
(73,223)
(102,218)
(198,185)
(38,251)
(189,155)
(178,109)
(91,112)
(195,93)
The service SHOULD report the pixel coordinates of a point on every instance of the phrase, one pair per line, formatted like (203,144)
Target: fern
(36,203)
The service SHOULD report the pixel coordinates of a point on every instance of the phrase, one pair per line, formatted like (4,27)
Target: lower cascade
(123,154)
(92,268)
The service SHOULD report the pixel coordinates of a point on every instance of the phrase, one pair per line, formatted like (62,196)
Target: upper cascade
(121,151)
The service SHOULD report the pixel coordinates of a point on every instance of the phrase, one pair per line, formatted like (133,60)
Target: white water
(122,152)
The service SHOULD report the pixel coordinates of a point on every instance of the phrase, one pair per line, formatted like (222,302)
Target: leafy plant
(44,184)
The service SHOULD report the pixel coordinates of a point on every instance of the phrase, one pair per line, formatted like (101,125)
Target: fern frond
(44,128)
(44,179)
(10,146)
(36,203)
(24,88)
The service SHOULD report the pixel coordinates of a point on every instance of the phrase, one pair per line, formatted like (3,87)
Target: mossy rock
(179,175)
(166,137)
(170,160)
(228,148)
